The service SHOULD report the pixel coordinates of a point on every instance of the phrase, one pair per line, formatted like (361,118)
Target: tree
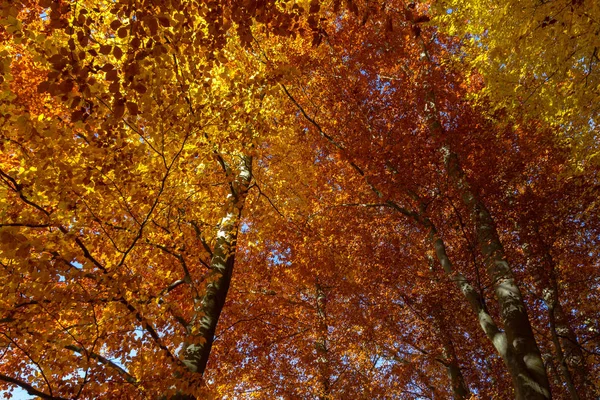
(541,57)
(295,200)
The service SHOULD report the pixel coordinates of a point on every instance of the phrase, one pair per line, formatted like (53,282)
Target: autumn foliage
(299,199)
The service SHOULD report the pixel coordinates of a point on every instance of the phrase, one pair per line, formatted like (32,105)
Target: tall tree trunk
(471,294)
(201,330)
(562,363)
(516,345)
(521,382)
(460,391)
(488,325)
(570,358)
(523,356)
(525,361)
(321,345)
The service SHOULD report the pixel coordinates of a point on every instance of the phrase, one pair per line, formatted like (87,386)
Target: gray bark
(460,391)
(471,294)
(521,353)
(517,345)
(562,364)
(321,345)
(201,330)
(523,356)
(570,357)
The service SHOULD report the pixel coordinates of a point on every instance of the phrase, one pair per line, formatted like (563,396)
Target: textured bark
(488,325)
(321,345)
(201,330)
(471,294)
(524,358)
(460,391)
(562,364)
(516,345)
(570,357)
(522,355)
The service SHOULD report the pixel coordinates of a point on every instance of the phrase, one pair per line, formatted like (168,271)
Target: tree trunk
(517,345)
(321,345)
(570,358)
(522,354)
(562,363)
(525,361)
(460,391)
(201,330)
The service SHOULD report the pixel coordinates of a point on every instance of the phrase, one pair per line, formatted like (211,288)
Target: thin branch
(32,360)
(331,140)
(26,225)
(362,205)
(269,200)
(150,329)
(103,360)
(201,238)
(17,188)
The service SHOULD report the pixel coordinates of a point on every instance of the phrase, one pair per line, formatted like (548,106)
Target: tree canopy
(299,199)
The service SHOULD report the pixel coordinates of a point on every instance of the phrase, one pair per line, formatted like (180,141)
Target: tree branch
(28,388)
(103,360)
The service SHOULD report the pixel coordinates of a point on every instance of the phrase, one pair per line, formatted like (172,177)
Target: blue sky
(19,394)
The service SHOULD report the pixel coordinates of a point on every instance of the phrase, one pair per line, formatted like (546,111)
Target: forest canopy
(299,199)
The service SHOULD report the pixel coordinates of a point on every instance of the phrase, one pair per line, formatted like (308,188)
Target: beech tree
(298,199)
